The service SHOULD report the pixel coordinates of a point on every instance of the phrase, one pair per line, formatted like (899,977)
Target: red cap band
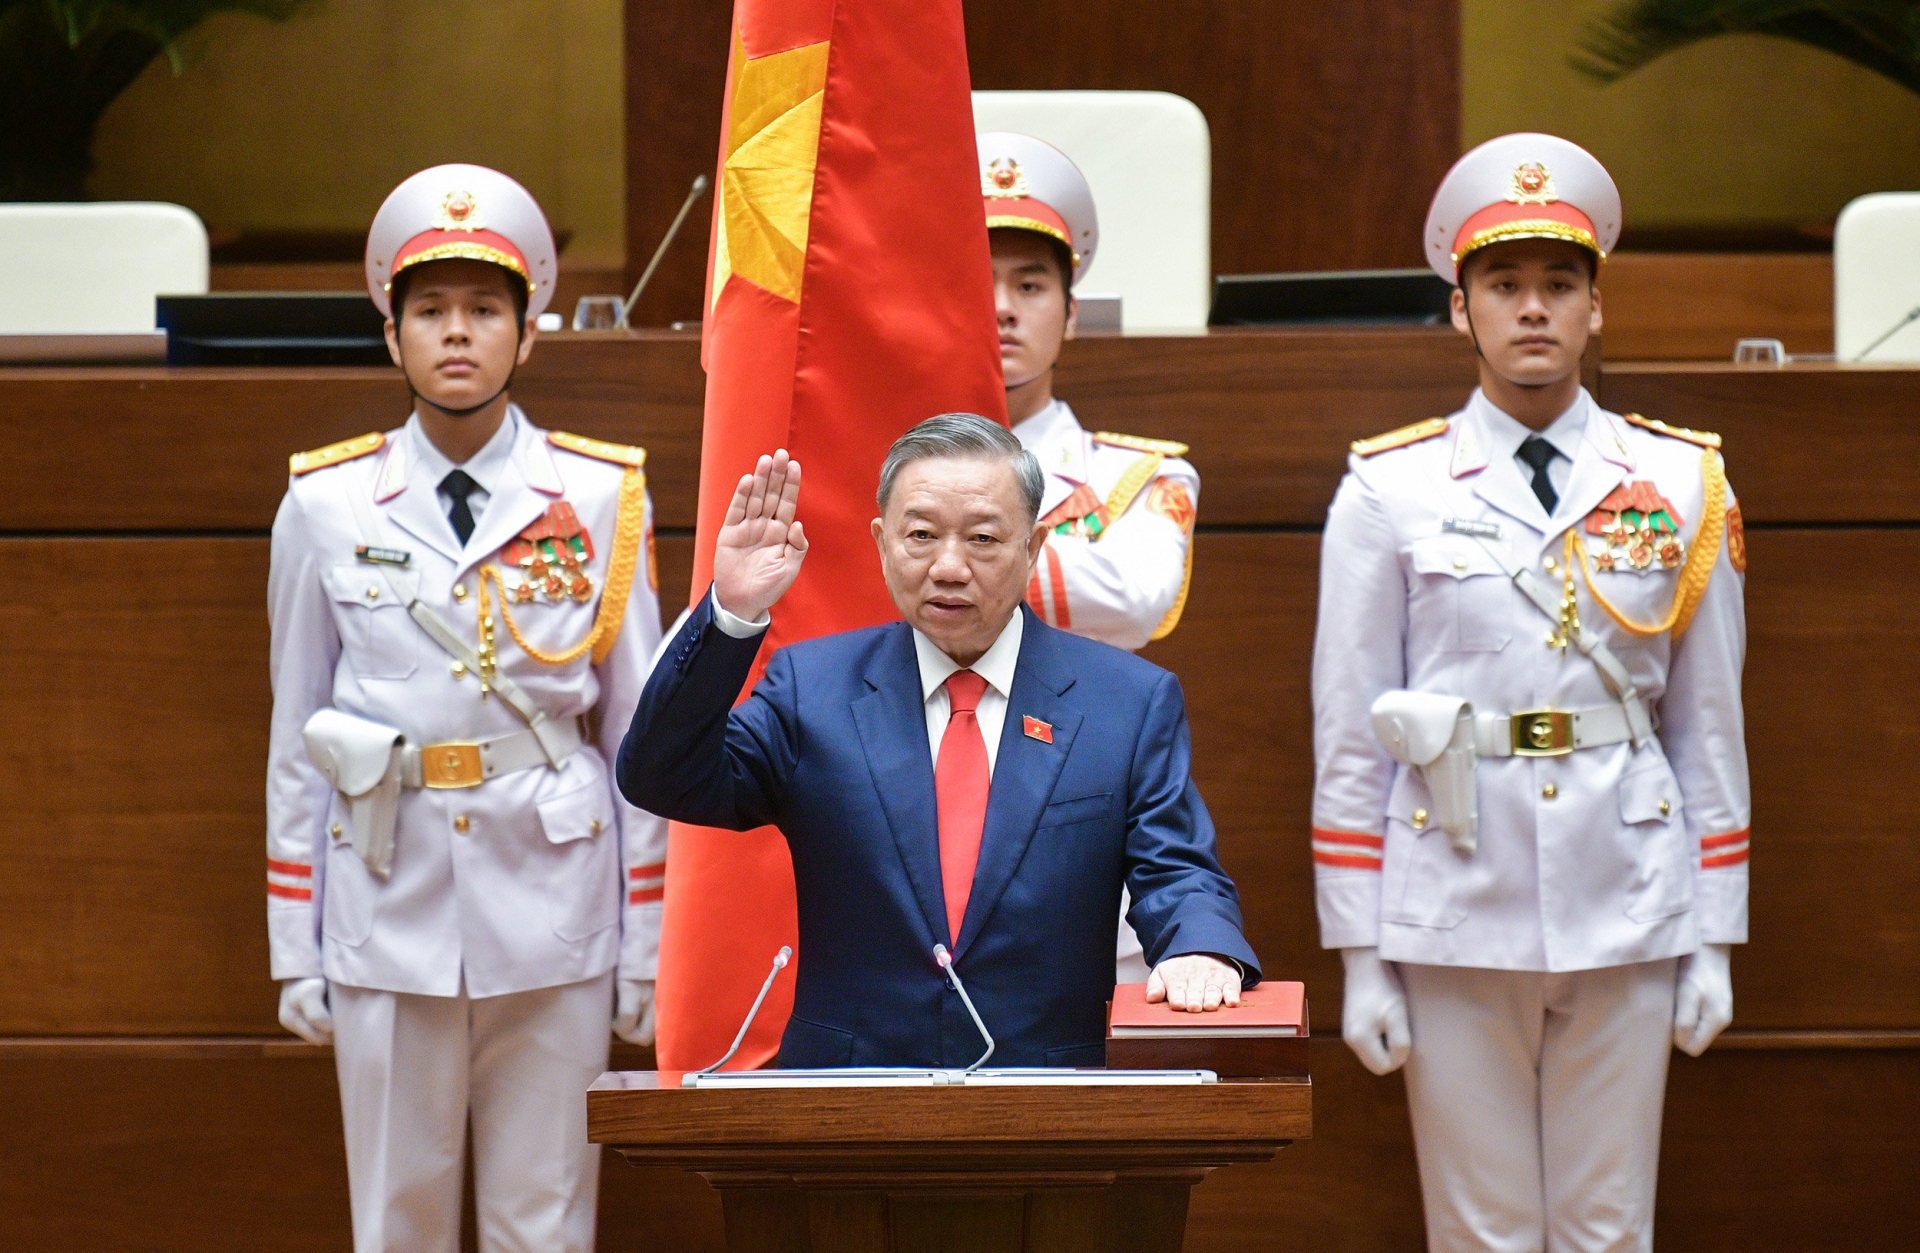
(438,245)
(1504,220)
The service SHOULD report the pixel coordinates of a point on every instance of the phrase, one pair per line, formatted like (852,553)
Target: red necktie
(960,783)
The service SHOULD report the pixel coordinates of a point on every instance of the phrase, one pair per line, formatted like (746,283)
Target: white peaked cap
(1521,186)
(466,211)
(1028,184)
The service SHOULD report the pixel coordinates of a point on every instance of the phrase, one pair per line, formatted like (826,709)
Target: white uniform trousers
(414,1069)
(1536,1104)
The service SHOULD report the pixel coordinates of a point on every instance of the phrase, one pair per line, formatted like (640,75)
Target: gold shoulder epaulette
(599,449)
(334,454)
(1706,439)
(1400,438)
(1140,443)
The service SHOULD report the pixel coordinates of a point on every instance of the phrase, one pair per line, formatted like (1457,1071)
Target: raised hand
(760,548)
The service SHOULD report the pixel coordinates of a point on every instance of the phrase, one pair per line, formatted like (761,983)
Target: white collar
(485,467)
(1054,436)
(1505,433)
(996,665)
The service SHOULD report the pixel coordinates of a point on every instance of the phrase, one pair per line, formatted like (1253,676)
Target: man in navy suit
(969,778)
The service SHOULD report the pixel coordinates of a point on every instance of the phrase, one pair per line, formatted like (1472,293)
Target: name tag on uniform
(1467,526)
(382,556)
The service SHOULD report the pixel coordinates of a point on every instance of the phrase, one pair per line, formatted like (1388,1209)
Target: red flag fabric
(850,295)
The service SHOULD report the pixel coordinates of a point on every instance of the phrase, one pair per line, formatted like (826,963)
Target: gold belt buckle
(453,764)
(1542,733)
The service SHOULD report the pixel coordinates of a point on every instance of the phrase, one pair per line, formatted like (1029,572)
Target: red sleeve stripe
(1351,861)
(646,896)
(1725,838)
(1718,860)
(293,868)
(1322,835)
(292,894)
(655,871)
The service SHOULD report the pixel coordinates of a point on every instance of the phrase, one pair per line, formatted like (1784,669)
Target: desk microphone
(699,189)
(944,960)
(1913,315)
(780,960)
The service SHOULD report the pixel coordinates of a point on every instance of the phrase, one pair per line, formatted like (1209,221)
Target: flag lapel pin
(1037,730)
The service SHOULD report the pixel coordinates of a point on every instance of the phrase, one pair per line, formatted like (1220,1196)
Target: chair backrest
(1876,276)
(83,269)
(1149,159)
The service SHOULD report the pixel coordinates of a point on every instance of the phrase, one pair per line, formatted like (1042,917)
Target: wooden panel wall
(138,1053)
(1331,123)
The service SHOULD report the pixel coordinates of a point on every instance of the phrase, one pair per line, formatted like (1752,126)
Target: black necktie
(1539,454)
(460,485)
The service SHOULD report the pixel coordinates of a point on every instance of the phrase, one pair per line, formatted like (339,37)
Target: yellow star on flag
(766,181)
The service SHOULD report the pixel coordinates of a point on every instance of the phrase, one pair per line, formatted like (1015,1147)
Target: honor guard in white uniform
(1121,507)
(453,881)
(1531,804)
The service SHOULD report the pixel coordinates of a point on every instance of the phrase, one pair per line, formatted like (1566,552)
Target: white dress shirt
(484,467)
(996,666)
(1505,434)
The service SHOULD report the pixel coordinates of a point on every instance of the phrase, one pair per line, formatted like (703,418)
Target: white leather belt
(469,763)
(1549,732)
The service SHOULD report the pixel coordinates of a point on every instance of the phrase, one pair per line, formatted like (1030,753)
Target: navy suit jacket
(831,747)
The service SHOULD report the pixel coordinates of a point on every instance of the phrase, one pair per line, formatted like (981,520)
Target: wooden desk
(133,707)
(985,1169)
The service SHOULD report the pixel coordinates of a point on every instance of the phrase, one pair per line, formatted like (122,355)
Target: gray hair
(963,435)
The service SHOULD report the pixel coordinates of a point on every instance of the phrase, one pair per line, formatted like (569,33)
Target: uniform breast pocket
(1461,598)
(376,632)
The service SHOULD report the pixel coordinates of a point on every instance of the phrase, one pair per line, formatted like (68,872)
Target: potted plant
(1880,35)
(62,62)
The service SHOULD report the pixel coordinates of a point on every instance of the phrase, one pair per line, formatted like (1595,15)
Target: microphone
(699,189)
(1913,315)
(944,960)
(780,960)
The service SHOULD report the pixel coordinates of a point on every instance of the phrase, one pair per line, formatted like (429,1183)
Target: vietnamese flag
(849,296)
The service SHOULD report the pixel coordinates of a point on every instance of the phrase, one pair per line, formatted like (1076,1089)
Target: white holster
(1435,735)
(365,762)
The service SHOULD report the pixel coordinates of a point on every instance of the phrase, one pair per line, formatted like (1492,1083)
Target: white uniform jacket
(1115,568)
(1600,857)
(532,879)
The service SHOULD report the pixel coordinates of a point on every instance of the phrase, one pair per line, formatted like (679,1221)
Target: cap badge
(1003,179)
(1532,184)
(459,212)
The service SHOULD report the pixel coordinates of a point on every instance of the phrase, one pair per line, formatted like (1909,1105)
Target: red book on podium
(1266,1034)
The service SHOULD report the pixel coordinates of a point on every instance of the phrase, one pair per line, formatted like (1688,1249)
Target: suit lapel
(1505,486)
(413,504)
(1603,462)
(1024,772)
(892,721)
(514,505)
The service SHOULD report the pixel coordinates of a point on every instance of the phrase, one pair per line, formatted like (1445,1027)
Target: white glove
(1703,997)
(303,1010)
(1373,1017)
(633,1011)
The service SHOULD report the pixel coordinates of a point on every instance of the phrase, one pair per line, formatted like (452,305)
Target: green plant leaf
(1879,35)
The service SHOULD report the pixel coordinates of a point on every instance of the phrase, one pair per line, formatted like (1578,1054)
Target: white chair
(94,269)
(1148,157)
(1876,277)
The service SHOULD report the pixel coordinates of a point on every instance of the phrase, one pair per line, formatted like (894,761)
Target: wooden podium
(986,1169)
